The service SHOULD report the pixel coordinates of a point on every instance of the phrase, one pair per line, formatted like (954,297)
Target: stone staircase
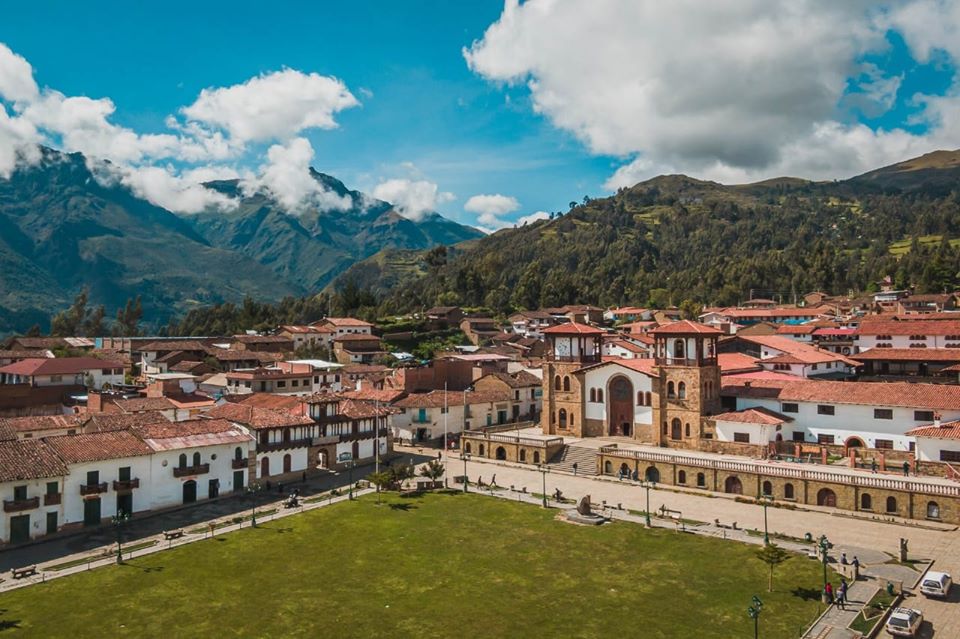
(584,458)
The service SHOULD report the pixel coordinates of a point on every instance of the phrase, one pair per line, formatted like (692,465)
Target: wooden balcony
(290,443)
(93,489)
(239,464)
(186,471)
(19,505)
(127,484)
(52,499)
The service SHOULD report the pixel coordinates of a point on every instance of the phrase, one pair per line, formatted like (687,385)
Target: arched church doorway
(620,406)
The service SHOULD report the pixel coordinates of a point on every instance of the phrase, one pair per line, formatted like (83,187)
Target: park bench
(668,513)
(459,479)
(732,526)
(26,571)
(172,534)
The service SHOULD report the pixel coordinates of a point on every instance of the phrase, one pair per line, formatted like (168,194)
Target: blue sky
(425,114)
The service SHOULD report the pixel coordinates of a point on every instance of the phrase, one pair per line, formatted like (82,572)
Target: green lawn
(446,565)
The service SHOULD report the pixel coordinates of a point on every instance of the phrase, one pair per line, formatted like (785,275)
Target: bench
(172,534)
(26,571)
(732,526)
(669,513)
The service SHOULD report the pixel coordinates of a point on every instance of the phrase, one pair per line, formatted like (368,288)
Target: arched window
(600,395)
(648,402)
(562,417)
(681,477)
(467,448)
(679,349)
(183,460)
(196,459)
(682,390)
(671,391)
(866,502)
(287,460)
(593,394)
(675,429)
(238,453)
(482,452)
(891,504)
(652,474)
(523,455)
(572,420)
(640,398)
(556,383)
(536,457)
(607,468)
(686,429)
(933,510)
(767,489)
(788,491)
(566,383)
(701,480)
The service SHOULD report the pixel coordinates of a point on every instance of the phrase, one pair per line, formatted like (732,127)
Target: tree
(79,320)
(381,480)
(772,555)
(690,309)
(128,318)
(400,473)
(433,470)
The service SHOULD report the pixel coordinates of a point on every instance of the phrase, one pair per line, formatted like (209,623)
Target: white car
(904,622)
(936,584)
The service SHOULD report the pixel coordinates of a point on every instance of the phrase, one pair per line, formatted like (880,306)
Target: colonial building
(63,371)
(31,482)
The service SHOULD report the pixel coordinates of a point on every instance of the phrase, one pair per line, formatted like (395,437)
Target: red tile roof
(344,321)
(141,404)
(41,422)
(904,394)
(910,354)
(641,365)
(258,418)
(21,460)
(736,363)
(102,422)
(946,430)
(572,328)
(58,366)
(435,399)
(89,447)
(908,327)
(758,415)
(685,327)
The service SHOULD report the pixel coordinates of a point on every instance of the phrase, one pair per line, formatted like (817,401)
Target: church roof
(572,328)
(685,327)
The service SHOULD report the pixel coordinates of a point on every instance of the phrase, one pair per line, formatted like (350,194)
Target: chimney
(94,402)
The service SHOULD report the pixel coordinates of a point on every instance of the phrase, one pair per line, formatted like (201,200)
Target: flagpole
(376,426)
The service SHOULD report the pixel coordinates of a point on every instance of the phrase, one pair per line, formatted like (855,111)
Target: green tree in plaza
(433,470)
(772,555)
(381,480)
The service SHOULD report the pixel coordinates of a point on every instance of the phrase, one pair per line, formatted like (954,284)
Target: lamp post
(350,478)
(543,471)
(754,612)
(646,483)
(465,457)
(252,491)
(824,544)
(765,501)
(119,520)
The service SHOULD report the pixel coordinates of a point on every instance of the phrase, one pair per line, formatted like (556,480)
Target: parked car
(936,584)
(904,622)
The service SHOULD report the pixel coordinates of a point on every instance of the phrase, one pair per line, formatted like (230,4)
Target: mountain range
(62,230)
(675,238)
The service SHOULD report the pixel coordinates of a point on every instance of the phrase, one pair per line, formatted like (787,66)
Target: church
(661,401)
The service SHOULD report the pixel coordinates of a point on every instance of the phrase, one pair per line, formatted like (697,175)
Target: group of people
(839,597)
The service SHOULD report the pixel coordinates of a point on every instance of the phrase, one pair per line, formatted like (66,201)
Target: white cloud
(533,217)
(489,209)
(218,127)
(720,89)
(272,106)
(286,176)
(412,198)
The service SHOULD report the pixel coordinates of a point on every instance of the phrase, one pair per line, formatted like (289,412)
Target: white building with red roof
(938,442)
(63,371)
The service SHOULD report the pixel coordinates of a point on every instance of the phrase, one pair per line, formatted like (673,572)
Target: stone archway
(826,497)
(501,453)
(854,442)
(733,485)
(620,406)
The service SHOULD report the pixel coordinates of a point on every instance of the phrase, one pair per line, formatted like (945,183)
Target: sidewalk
(834,622)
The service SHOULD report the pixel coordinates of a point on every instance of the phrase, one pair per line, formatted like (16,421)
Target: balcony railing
(185,471)
(290,443)
(586,359)
(18,505)
(686,361)
(93,489)
(239,464)
(126,484)
(52,499)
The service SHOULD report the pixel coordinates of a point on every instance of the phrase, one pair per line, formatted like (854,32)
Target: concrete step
(584,458)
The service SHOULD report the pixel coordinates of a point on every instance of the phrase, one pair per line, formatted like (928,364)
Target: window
(316,379)
(768,488)
(933,510)
(593,395)
(825,409)
(53,488)
(183,458)
(56,378)
(640,398)
(600,395)
(891,504)
(866,502)
(923,415)
(19,493)
(281,384)
(566,383)
(686,430)
(196,459)
(825,439)
(743,438)
(883,413)
(918,338)
(682,477)
(788,491)
(562,418)
(814,367)
(556,383)
(682,390)
(295,382)
(950,455)
(124,473)
(884,443)
(790,407)
(671,390)
(93,477)
(701,480)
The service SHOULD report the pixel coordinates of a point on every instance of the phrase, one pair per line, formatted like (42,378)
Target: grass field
(445,565)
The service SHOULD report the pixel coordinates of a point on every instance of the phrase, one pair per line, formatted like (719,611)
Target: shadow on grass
(7,624)
(403,507)
(807,594)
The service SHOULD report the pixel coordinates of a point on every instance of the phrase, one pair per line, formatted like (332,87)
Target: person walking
(856,567)
(828,590)
(906,468)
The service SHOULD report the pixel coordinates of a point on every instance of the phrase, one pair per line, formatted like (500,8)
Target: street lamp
(765,501)
(252,491)
(119,520)
(543,471)
(824,544)
(648,484)
(465,457)
(754,612)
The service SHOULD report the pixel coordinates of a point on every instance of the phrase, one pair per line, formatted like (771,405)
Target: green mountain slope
(673,238)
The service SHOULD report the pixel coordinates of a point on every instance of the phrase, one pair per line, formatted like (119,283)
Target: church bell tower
(570,347)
